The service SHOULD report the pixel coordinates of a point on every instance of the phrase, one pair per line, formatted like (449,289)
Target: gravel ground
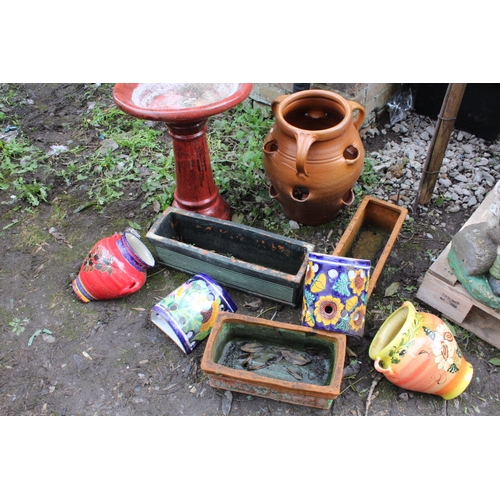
(469,170)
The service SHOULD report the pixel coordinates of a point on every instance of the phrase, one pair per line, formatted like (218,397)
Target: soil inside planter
(368,244)
(285,357)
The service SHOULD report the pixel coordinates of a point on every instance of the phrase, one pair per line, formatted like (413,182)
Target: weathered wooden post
(439,143)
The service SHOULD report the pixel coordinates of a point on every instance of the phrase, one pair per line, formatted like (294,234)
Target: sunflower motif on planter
(335,293)
(328,310)
(358,280)
(357,319)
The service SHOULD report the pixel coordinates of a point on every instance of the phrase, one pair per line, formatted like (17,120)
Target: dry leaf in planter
(268,357)
(295,358)
(252,347)
(256,366)
(293,373)
(247,361)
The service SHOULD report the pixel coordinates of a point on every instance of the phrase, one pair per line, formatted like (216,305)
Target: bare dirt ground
(107,358)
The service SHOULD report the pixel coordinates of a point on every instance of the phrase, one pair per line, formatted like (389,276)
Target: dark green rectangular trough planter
(237,256)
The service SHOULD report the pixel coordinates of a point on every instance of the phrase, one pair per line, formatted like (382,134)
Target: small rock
(226,402)
(472,201)
(108,145)
(352,368)
(453,209)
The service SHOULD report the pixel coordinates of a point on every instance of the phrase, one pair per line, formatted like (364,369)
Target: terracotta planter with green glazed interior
(280,361)
(371,234)
(237,256)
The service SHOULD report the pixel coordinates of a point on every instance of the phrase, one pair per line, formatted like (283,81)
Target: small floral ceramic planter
(187,314)
(336,294)
(416,350)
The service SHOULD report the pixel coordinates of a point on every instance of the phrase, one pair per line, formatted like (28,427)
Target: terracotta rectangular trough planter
(371,234)
(280,361)
(238,256)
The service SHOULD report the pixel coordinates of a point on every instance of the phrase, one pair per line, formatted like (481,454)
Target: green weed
(141,153)
(235,143)
(369,178)
(18,325)
(20,170)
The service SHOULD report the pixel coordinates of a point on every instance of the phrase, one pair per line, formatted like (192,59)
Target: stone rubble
(469,171)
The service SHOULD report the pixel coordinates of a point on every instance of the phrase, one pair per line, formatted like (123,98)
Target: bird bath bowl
(185,109)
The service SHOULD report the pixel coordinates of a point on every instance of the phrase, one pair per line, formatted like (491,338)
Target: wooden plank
(486,327)
(447,299)
(458,306)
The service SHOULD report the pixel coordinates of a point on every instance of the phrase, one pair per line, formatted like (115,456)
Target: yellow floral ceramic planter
(335,293)
(417,351)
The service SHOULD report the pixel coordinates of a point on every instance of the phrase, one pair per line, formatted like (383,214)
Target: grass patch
(134,158)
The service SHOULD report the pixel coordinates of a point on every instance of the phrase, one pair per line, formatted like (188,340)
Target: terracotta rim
(292,101)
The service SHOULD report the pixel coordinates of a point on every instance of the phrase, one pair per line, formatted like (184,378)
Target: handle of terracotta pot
(276,103)
(379,368)
(304,141)
(361,113)
(348,197)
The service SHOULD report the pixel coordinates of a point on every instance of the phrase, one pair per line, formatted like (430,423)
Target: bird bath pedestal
(185,109)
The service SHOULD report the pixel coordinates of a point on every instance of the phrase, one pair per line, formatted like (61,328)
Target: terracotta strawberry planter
(371,234)
(279,361)
(238,256)
(313,154)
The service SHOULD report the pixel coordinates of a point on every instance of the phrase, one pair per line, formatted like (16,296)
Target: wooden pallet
(441,290)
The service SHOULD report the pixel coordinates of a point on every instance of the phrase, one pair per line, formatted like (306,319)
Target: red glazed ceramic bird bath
(185,109)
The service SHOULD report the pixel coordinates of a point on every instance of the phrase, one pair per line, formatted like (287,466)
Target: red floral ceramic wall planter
(115,267)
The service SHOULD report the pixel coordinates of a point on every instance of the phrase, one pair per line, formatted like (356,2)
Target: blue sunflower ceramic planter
(336,293)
